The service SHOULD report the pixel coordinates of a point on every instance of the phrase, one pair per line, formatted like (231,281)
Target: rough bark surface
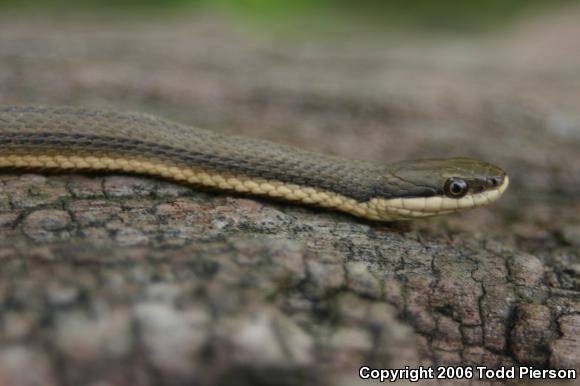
(115,280)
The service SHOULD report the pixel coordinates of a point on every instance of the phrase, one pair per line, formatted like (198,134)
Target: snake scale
(81,139)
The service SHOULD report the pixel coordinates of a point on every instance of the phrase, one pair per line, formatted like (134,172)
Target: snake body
(82,139)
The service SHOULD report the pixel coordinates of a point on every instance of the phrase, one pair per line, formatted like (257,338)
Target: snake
(71,139)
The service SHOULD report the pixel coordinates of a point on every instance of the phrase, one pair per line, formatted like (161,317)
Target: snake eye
(455,187)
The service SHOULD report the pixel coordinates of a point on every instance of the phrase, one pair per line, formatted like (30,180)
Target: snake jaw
(417,207)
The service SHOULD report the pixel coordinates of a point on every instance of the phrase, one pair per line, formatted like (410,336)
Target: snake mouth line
(417,207)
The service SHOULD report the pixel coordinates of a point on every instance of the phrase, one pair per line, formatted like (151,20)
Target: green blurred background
(443,14)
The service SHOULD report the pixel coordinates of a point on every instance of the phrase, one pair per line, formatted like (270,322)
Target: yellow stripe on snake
(79,139)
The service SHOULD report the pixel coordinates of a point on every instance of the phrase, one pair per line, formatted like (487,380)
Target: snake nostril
(494,181)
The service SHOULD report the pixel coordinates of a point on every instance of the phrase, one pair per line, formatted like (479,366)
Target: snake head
(437,186)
